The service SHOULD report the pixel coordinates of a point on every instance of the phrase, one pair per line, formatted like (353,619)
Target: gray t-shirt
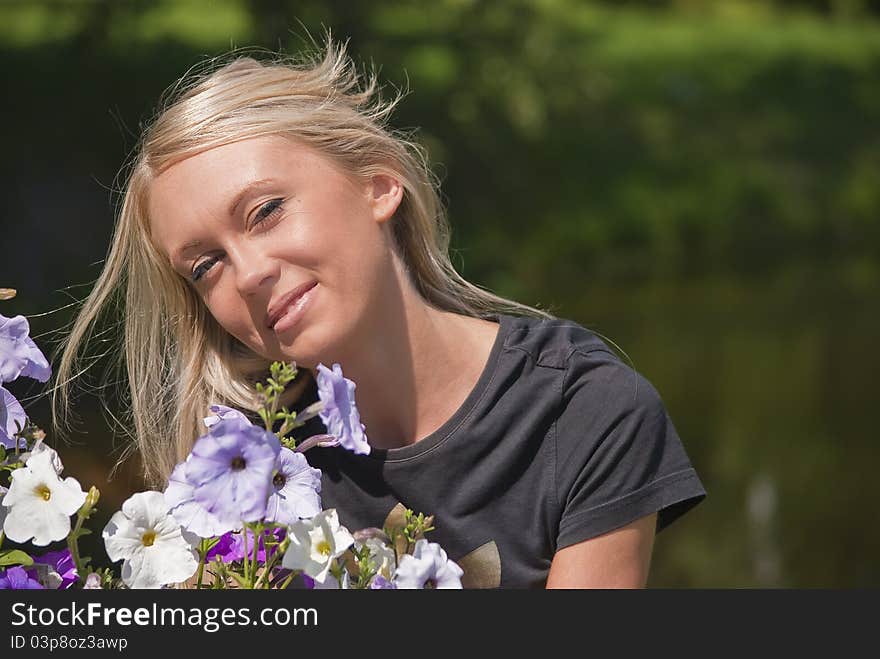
(558,442)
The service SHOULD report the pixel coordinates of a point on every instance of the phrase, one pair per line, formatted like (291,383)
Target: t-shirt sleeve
(618,454)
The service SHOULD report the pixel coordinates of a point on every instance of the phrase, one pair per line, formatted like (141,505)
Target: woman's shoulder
(553,342)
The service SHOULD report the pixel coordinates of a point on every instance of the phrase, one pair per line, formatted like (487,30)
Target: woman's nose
(252,269)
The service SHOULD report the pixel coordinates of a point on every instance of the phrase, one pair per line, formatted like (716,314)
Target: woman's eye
(203,267)
(267,210)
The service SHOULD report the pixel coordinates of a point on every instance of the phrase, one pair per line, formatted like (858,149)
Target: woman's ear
(384,195)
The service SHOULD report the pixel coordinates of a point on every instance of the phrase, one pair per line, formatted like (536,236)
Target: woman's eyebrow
(249,189)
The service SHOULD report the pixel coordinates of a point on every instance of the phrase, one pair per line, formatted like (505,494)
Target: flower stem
(245,557)
(73,545)
(2,537)
(203,552)
(265,576)
(258,533)
(286,582)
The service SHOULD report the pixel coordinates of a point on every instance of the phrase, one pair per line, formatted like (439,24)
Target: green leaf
(15,557)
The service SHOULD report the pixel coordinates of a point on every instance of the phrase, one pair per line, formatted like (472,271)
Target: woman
(271,214)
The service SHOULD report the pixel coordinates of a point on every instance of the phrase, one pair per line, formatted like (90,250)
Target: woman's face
(249,223)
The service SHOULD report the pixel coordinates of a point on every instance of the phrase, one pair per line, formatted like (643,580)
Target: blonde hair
(178,360)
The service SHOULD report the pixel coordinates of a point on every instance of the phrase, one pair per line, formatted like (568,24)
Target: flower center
(279,480)
(431,584)
(237,463)
(148,538)
(42,490)
(323,548)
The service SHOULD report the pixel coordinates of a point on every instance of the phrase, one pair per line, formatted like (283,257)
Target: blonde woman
(270,213)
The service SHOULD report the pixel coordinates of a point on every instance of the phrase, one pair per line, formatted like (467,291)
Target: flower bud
(91,501)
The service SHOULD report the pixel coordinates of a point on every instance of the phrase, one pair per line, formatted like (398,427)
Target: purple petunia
(231,469)
(381,583)
(295,489)
(340,414)
(231,546)
(190,514)
(221,412)
(10,412)
(17,578)
(19,355)
(59,568)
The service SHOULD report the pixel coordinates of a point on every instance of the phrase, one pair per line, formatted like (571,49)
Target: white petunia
(40,503)
(40,447)
(427,567)
(155,550)
(382,556)
(331,583)
(3,509)
(314,543)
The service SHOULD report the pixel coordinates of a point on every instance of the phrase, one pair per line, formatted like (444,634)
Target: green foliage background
(696,180)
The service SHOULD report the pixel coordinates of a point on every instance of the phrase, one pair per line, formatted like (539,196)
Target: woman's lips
(293,308)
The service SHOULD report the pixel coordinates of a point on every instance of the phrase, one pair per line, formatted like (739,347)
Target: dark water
(772,384)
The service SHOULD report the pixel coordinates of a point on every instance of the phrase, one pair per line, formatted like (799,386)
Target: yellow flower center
(42,490)
(323,548)
(148,538)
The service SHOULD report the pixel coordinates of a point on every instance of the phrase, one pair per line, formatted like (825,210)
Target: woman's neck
(416,371)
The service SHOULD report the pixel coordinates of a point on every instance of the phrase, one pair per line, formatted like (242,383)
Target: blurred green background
(697,180)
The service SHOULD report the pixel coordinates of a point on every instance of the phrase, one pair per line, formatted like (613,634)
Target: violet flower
(10,412)
(59,568)
(381,583)
(189,513)
(296,487)
(340,414)
(17,578)
(221,412)
(232,546)
(19,355)
(231,469)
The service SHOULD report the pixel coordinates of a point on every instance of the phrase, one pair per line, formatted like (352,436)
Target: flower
(154,548)
(19,355)
(231,468)
(427,567)
(93,582)
(222,412)
(340,414)
(314,543)
(381,583)
(56,569)
(232,546)
(40,502)
(189,513)
(296,487)
(39,447)
(332,583)
(382,556)
(17,578)
(10,412)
